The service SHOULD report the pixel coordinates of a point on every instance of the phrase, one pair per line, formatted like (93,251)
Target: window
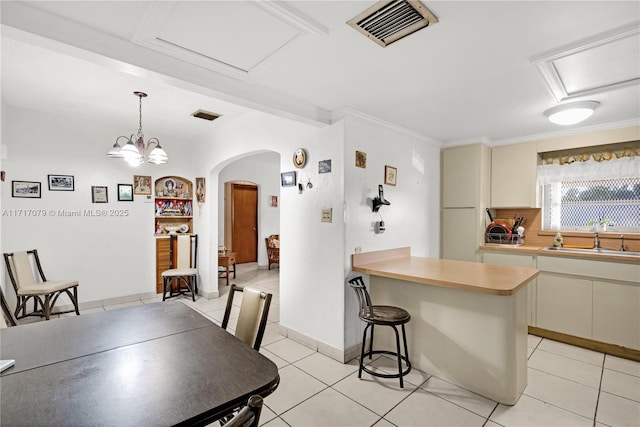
(591,188)
(580,205)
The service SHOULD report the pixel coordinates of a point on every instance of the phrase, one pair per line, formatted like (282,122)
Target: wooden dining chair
(7,318)
(248,416)
(252,319)
(43,292)
(273,250)
(182,276)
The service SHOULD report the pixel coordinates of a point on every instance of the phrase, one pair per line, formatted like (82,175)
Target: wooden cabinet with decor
(173,214)
(162,260)
(173,205)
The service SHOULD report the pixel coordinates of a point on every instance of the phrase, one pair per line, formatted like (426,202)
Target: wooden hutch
(173,214)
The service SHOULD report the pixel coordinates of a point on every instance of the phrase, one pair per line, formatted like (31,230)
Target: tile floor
(567,386)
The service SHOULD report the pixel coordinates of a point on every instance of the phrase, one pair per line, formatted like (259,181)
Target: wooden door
(244,218)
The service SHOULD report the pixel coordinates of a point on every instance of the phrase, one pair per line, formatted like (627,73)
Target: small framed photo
(125,192)
(274,201)
(61,182)
(142,184)
(361,159)
(26,189)
(390,175)
(288,179)
(201,189)
(324,166)
(99,194)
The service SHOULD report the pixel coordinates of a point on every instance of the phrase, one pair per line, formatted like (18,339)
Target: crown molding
(349,112)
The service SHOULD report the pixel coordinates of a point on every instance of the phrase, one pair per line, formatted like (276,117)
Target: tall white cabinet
(466,182)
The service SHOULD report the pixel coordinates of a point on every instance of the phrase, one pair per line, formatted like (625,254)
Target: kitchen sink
(593,251)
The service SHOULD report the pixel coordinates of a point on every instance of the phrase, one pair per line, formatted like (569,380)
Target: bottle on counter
(558,241)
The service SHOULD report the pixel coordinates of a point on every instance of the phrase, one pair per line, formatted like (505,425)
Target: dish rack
(501,239)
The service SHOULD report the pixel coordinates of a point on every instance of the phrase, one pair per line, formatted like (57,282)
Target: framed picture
(324,166)
(201,190)
(288,179)
(99,194)
(169,187)
(142,184)
(125,192)
(27,189)
(390,175)
(299,158)
(361,159)
(60,182)
(274,201)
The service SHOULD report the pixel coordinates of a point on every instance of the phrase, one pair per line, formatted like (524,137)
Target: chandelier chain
(140,111)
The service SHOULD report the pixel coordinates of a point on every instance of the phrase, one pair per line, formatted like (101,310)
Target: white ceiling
(485,72)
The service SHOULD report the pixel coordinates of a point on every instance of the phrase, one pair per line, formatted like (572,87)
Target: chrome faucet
(596,240)
(622,249)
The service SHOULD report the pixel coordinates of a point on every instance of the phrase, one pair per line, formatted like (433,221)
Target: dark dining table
(157,364)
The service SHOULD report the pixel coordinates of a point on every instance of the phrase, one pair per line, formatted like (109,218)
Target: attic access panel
(594,65)
(388,21)
(230,37)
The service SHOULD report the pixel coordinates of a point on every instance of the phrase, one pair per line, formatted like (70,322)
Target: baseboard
(342,356)
(599,346)
(88,305)
(209,295)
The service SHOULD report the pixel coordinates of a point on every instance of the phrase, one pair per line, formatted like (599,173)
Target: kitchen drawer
(589,268)
(508,259)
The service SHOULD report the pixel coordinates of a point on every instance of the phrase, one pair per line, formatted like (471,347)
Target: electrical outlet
(358,249)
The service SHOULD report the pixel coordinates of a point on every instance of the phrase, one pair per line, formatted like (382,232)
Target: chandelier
(135,151)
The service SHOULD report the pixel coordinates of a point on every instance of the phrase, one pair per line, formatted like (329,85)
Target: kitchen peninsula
(468,320)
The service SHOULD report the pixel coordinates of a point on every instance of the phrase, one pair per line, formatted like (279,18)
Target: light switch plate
(326,215)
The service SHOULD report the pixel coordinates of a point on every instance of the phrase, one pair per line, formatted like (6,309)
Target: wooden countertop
(536,250)
(469,276)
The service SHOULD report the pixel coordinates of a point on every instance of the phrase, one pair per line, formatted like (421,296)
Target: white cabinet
(564,304)
(599,300)
(459,229)
(616,313)
(460,176)
(513,176)
(466,174)
(515,260)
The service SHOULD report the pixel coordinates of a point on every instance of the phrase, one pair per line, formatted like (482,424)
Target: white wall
(115,256)
(412,219)
(112,256)
(312,253)
(263,170)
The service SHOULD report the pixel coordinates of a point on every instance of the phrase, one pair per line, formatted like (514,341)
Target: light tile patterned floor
(567,385)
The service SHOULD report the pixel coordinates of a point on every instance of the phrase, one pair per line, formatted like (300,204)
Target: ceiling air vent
(205,115)
(388,21)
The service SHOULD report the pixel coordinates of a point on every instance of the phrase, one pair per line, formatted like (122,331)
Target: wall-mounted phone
(380,200)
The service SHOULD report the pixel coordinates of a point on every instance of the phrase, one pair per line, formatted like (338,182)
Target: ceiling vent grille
(205,115)
(388,21)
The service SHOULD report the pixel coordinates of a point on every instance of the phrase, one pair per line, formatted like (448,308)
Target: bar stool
(381,315)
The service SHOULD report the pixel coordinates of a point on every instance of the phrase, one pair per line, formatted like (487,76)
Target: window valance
(626,167)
